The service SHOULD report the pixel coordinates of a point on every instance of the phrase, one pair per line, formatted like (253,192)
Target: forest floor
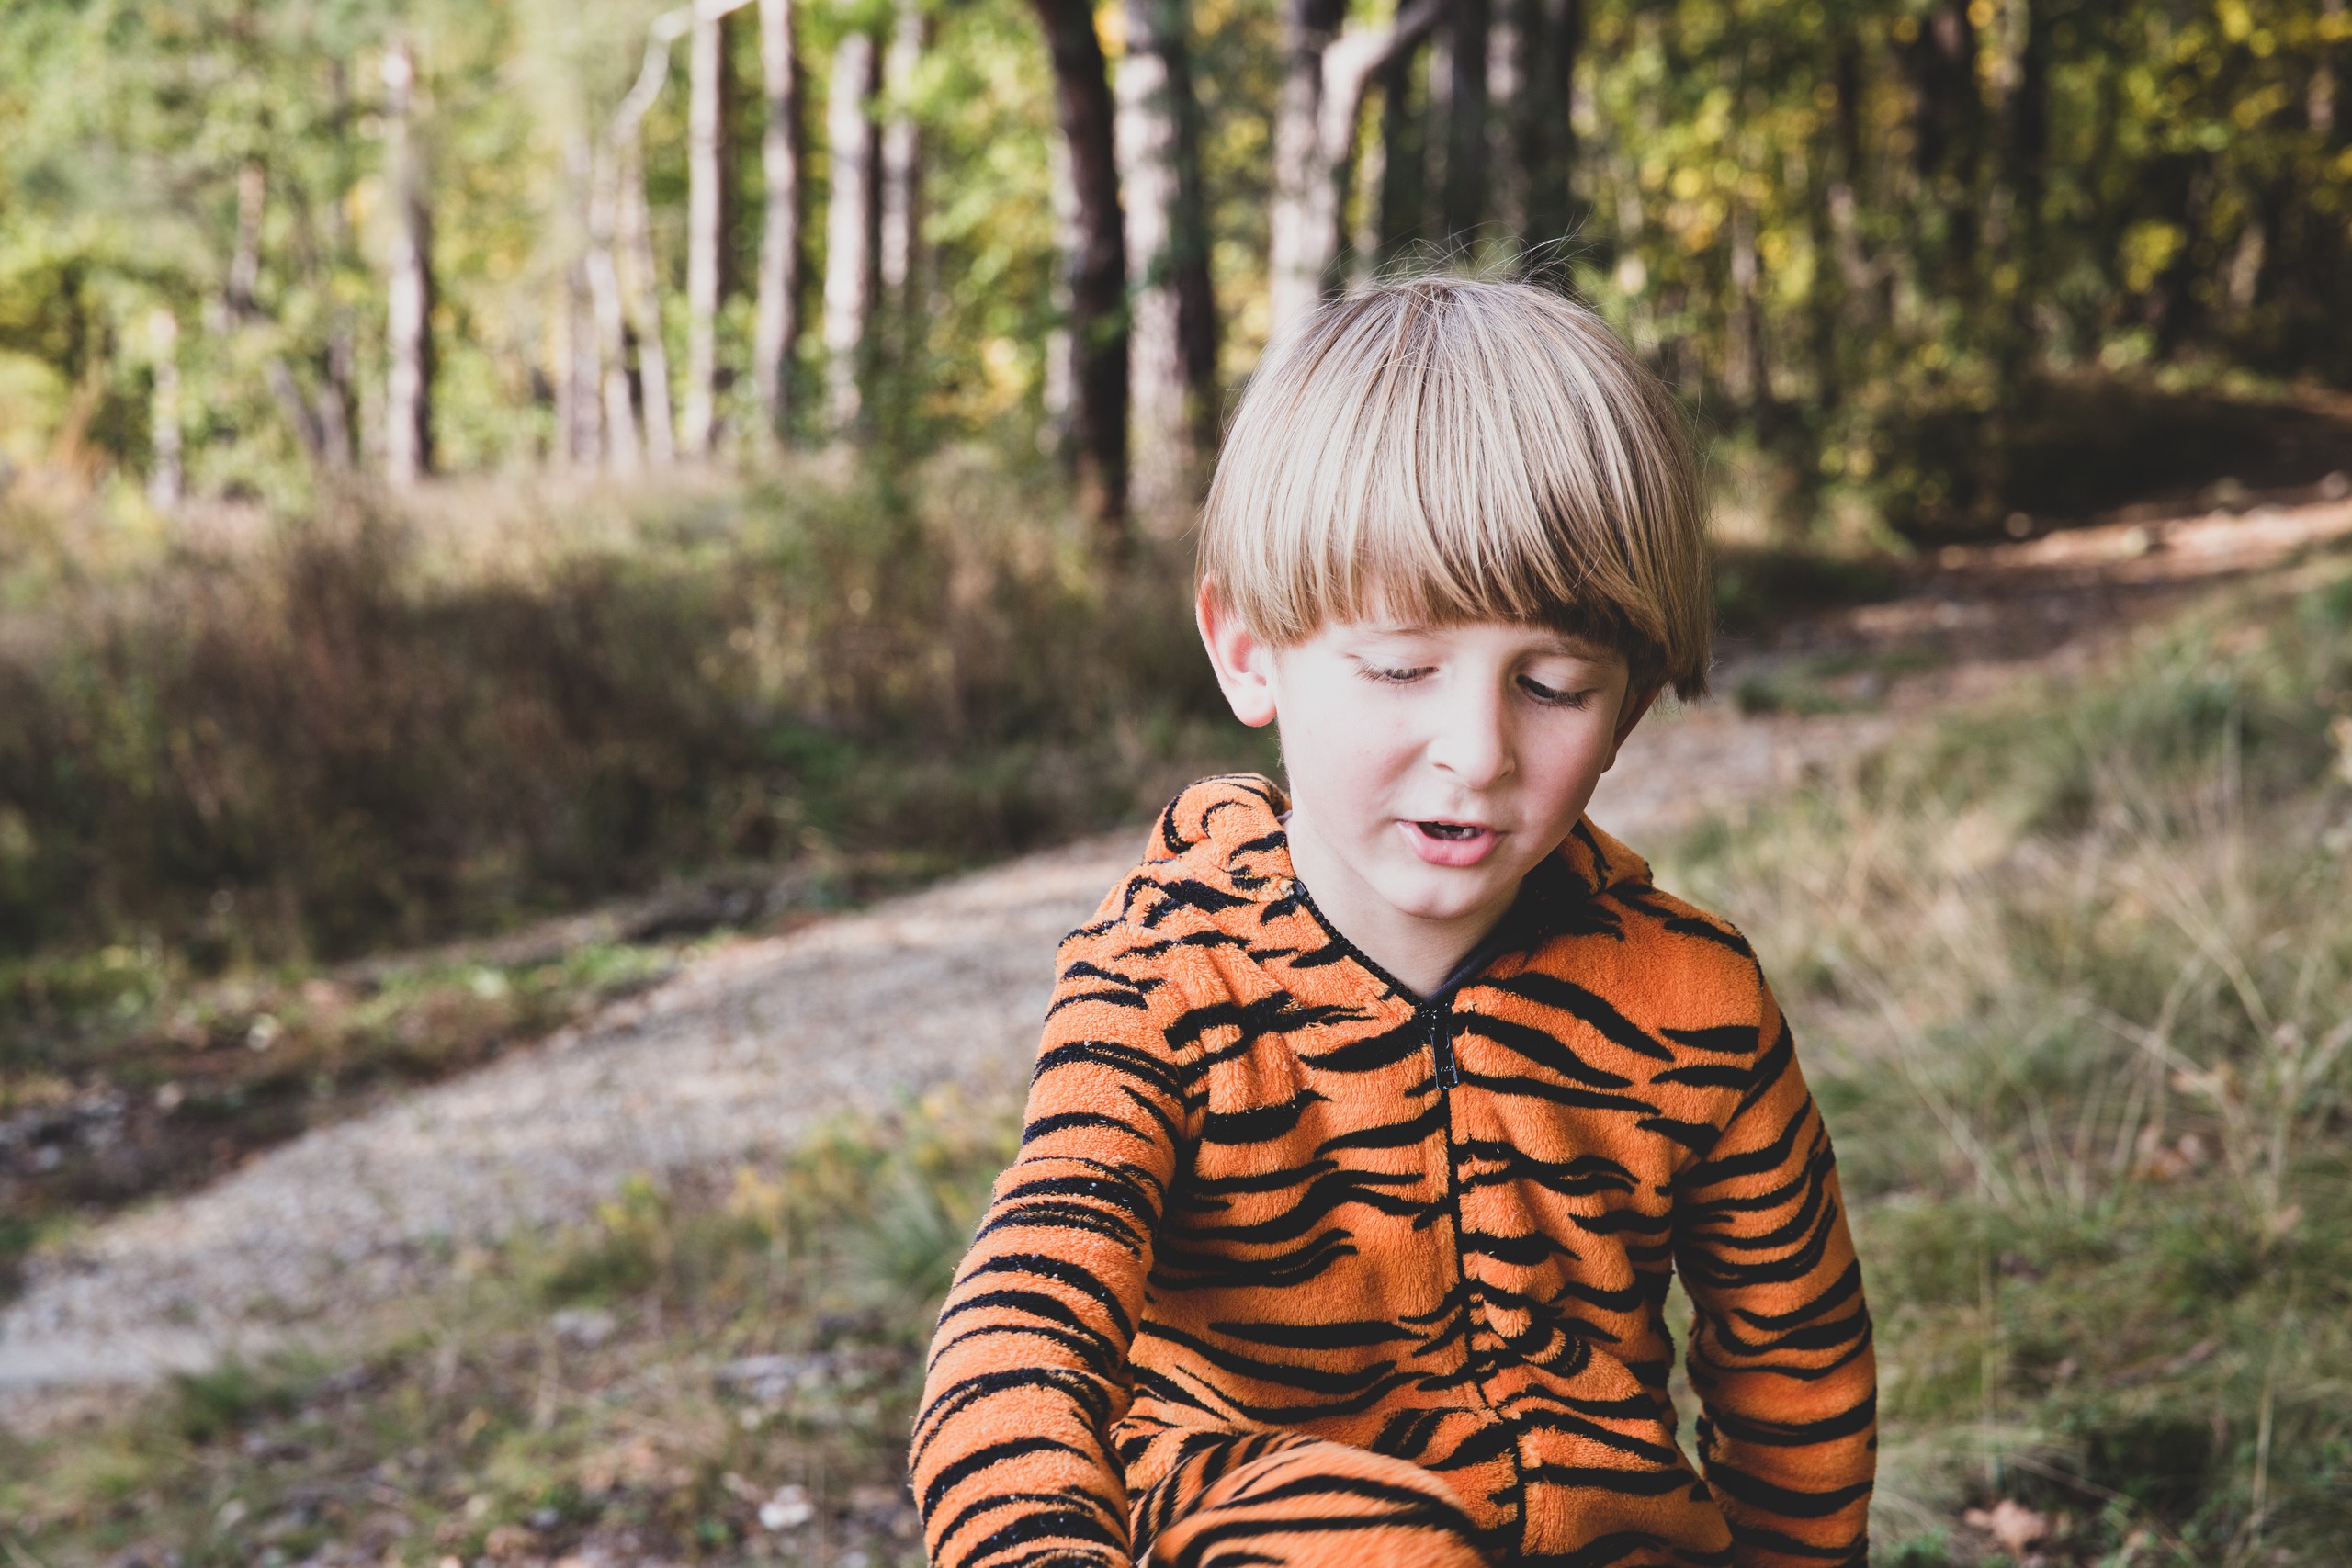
(740,1051)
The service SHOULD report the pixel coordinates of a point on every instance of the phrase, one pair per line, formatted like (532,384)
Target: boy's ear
(1629,714)
(1244,664)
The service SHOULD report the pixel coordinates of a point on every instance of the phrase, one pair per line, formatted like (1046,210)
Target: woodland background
(466,464)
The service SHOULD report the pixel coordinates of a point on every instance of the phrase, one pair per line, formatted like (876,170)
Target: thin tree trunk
(1464,202)
(1173,371)
(2321,107)
(1547,133)
(244,261)
(623,453)
(333,400)
(902,151)
(850,223)
(899,230)
(1516,33)
(1311,182)
(1746,375)
(165,473)
(707,78)
(640,293)
(408,382)
(638,276)
(1297,257)
(1058,391)
(778,324)
(1096,265)
(302,415)
(1404,146)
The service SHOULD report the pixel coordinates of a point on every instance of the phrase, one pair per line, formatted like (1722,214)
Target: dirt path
(746,1049)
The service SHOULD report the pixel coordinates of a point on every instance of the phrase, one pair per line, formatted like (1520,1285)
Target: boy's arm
(1780,1347)
(1012,1460)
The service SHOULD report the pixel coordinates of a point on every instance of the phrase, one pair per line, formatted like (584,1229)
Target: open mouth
(1451,844)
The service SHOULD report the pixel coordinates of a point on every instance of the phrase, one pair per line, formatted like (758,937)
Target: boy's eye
(1387,676)
(1551,698)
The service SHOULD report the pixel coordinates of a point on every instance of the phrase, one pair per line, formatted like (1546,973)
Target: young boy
(1372,1117)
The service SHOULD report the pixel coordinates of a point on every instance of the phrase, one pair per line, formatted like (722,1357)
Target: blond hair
(1444,451)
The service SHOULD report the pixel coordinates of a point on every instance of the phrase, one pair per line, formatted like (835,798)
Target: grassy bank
(241,762)
(2075,977)
(2074,981)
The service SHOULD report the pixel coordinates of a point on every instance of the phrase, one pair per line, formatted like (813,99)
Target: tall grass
(376,725)
(2076,976)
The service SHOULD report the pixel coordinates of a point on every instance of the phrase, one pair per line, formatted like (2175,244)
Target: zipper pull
(1433,1022)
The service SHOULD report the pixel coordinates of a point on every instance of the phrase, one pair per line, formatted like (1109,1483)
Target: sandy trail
(747,1047)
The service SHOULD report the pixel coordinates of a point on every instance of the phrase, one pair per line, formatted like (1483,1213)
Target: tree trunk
(334,400)
(707,204)
(2321,107)
(1553,31)
(245,263)
(1096,265)
(1058,391)
(1404,153)
(638,276)
(850,224)
(165,473)
(1747,373)
(898,231)
(1173,379)
(1465,201)
(623,453)
(778,324)
(1297,253)
(901,152)
(1311,174)
(641,295)
(408,382)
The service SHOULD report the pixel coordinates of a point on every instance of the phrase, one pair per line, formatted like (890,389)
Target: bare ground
(749,1047)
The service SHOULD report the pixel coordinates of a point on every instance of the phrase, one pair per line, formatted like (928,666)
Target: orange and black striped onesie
(1295,1267)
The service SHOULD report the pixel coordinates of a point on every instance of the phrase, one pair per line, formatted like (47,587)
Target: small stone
(789,1509)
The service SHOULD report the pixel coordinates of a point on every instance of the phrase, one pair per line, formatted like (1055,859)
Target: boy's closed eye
(1559,693)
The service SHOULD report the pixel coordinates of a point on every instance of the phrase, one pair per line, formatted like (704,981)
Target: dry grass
(376,727)
(2075,979)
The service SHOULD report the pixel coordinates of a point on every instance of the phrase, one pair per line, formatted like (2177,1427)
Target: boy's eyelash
(1551,698)
(1390,677)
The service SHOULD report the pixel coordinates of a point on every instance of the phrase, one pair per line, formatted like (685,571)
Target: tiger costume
(1295,1267)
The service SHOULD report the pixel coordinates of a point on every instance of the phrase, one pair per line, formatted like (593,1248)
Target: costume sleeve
(1780,1352)
(1011,1458)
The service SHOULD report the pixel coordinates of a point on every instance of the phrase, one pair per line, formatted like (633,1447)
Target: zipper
(1435,1021)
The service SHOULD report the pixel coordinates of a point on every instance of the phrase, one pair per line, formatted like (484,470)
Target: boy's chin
(1443,895)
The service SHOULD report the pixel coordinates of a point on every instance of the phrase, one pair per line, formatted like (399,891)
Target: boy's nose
(1472,740)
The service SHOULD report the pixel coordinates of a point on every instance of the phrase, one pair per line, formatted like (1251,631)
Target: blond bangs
(1444,451)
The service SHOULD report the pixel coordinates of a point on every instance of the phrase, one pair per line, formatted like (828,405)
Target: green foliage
(1941,261)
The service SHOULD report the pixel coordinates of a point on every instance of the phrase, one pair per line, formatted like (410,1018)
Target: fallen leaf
(2012,1524)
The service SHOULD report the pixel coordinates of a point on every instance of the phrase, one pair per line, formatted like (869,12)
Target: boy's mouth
(1451,844)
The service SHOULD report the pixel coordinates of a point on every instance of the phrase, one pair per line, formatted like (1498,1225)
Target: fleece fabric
(1291,1249)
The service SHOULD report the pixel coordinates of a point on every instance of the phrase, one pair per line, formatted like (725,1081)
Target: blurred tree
(1314,139)
(1875,242)
(777,325)
(408,290)
(1095,263)
(852,227)
(1173,350)
(709,194)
